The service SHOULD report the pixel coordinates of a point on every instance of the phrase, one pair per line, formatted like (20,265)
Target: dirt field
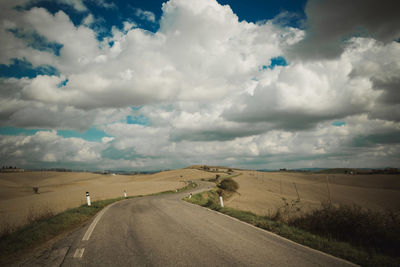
(59,191)
(263,192)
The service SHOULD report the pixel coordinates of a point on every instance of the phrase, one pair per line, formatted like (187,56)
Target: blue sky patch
(19,131)
(93,134)
(276,61)
(338,123)
(258,10)
(140,119)
(107,14)
(37,41)
(23,68)
(62,83)
(136,108)
(114,13)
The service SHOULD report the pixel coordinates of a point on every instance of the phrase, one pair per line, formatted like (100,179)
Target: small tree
(229,184)
(36,190)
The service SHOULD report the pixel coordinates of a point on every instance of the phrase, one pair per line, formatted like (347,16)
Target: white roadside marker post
(221,201)
(125,193)
(88,198)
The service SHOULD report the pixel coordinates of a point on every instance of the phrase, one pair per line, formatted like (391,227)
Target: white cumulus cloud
(201,88)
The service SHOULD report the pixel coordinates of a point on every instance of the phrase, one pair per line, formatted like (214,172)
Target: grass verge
(44,228)
(356,254)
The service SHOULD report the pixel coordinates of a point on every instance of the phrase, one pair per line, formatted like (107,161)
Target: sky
(150,85)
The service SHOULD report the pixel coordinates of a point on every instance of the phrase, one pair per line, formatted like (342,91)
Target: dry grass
(263,193)
(375,231)
(37,215)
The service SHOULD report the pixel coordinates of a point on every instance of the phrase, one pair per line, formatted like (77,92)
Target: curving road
(166,231)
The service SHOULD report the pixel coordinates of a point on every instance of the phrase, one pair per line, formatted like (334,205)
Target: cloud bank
(207,87)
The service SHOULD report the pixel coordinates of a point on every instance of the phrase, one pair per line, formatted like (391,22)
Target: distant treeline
(56,170)
(8,167)
(11,169)
(361,171)
(339,170)
(384,171)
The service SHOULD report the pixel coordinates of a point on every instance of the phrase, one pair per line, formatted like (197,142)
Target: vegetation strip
(45,228)
(345,250)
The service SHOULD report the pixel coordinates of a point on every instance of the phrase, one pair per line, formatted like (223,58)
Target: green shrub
(229,184)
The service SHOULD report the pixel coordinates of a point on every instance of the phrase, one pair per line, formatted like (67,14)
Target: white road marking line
(93,225)
(79,252)
(95,221)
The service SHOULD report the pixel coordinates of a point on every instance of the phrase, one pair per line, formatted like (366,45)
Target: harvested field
(263,192)
(59,191)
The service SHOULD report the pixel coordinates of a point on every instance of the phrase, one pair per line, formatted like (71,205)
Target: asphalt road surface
(166,231)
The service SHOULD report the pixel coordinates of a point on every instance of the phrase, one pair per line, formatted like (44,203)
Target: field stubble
(264,193)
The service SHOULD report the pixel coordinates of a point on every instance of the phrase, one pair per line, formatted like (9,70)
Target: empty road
(166,231)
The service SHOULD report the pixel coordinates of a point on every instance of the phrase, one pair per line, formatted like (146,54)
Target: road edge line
(271,233)
(90,230)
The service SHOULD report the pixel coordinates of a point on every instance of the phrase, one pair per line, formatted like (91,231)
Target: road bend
(166,231)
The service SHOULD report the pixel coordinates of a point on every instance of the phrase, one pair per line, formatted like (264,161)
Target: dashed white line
(79,252)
